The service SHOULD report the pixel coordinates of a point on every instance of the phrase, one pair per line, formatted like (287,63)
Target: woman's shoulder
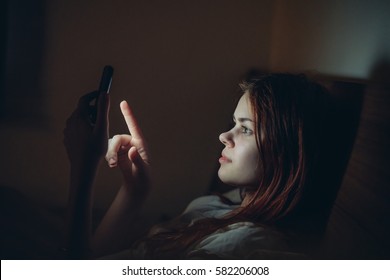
(212,206)
(226,200)
(244,240)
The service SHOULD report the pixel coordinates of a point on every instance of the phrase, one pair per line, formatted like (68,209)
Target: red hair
(289,111)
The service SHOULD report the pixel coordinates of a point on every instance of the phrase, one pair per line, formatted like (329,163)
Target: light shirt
(241,240)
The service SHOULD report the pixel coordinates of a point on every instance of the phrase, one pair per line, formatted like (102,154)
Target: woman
(269,156)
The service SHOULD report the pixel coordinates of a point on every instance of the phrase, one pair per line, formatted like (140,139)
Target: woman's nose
(226,139)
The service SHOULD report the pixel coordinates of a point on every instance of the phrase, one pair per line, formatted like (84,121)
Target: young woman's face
(240,165)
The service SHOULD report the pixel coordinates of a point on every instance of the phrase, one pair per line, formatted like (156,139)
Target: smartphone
(106,79)
(104,86)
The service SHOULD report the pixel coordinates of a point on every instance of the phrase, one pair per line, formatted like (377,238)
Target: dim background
(176,62)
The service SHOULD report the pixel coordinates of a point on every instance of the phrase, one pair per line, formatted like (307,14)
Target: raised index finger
(131,122)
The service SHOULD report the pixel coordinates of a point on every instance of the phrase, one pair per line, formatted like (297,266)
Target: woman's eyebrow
(243,119)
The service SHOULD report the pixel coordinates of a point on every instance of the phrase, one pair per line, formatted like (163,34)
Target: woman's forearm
(118,228)
(80,209)
(85,141)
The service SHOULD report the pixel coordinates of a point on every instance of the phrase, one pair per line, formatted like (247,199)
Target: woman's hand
(129,153)
(84,140)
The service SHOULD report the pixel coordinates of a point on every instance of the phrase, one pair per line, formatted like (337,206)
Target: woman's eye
(246,130)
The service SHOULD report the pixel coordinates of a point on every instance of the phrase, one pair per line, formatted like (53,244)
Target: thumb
(138,162)
(140,174)
(135,157)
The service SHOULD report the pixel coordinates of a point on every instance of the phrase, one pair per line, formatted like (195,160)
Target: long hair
(290,115)
(289,111)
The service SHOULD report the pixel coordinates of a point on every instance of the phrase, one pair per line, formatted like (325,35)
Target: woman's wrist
(84,167)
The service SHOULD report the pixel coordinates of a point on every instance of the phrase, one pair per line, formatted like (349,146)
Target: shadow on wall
(20,86)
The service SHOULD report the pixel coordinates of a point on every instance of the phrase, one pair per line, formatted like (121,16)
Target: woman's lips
(224,159)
